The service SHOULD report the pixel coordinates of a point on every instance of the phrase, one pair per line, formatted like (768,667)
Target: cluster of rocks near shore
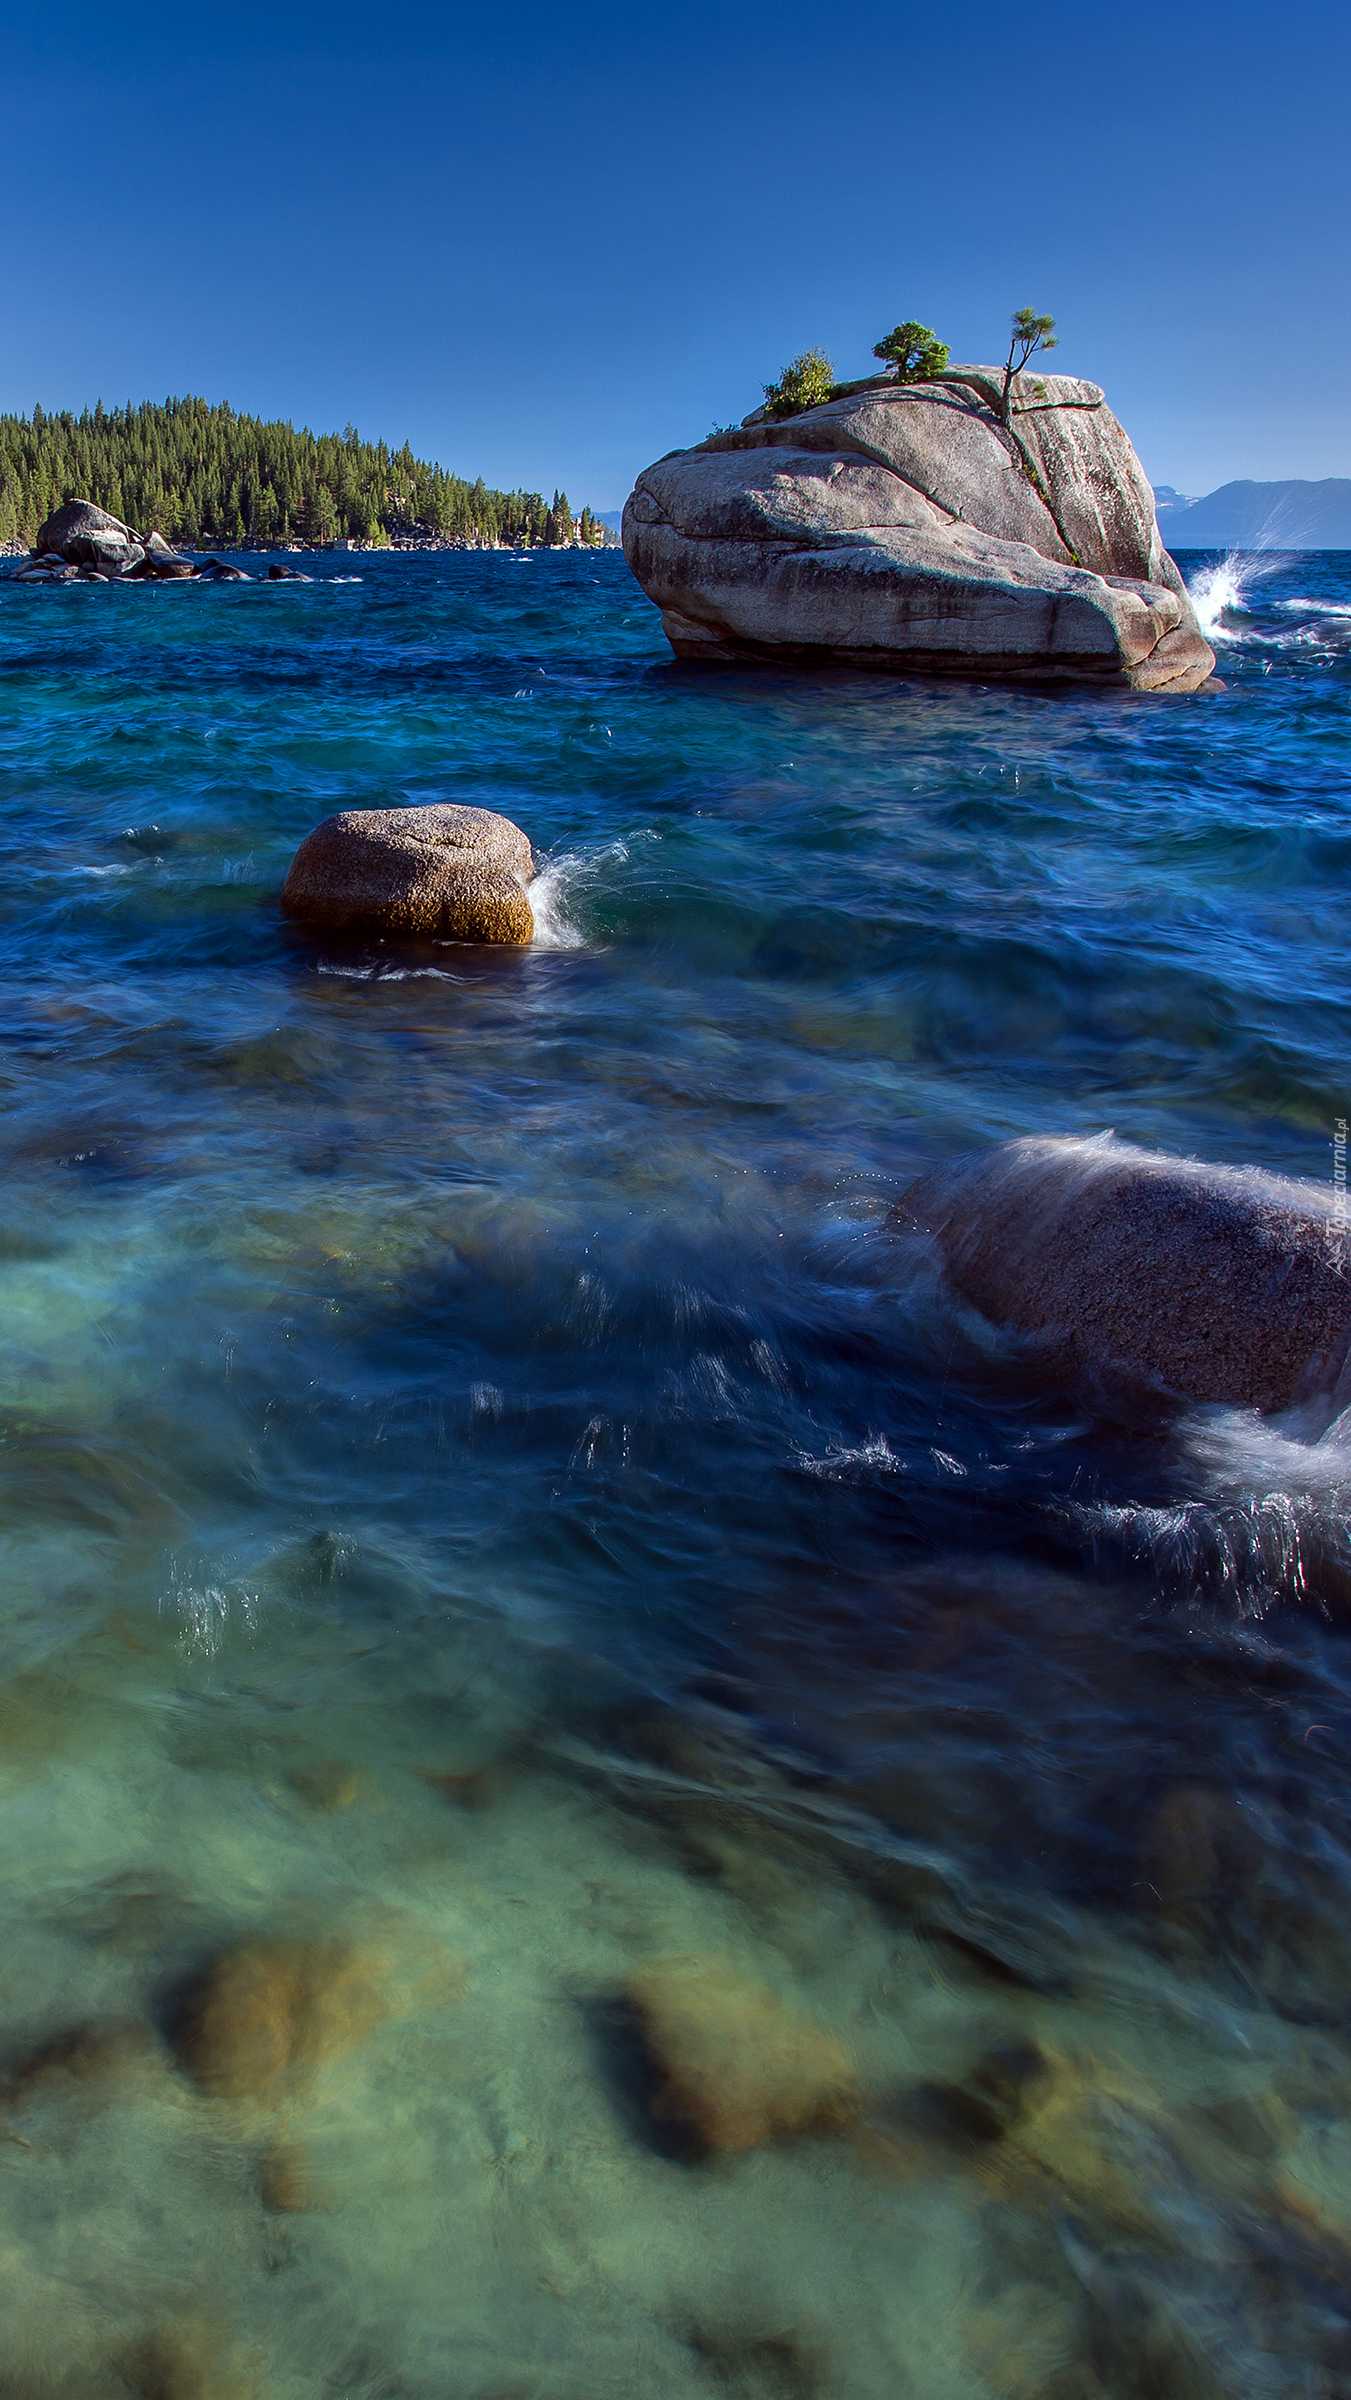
(81,542)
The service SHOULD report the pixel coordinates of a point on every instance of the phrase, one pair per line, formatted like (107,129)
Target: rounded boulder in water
(87,536)
(161,562)
(1213,1283)
(454,873)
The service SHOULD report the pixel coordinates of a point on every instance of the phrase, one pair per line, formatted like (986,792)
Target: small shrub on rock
(805,382)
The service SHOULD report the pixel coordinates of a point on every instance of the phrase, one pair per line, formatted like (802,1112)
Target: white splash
(548,896)
(1273,1512)
(1214,591)
(1222,591)
(208,1610)
(840,1463)
(560,885)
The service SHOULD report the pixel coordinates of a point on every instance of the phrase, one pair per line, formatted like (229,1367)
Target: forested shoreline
(197,472)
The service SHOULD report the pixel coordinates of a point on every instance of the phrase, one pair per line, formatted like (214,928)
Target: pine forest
(201,474)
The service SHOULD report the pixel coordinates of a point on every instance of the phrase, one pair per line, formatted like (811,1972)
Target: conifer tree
(1030,334)
(202,473)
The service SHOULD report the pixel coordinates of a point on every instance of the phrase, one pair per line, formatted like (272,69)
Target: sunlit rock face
(905,526)
(1215,1283)
(454,873)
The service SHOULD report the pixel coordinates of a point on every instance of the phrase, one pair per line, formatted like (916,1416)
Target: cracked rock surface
(904,526)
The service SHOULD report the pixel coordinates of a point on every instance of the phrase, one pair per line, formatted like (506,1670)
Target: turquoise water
(484,1493)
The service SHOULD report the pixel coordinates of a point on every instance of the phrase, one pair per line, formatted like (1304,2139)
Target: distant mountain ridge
(1260,516)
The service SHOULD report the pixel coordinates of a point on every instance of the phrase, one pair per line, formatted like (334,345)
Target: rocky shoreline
(85,543)
(81,542)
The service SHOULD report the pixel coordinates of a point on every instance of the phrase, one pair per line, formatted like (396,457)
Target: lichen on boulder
(454,874)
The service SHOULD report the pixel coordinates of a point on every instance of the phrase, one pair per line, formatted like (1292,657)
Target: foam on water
(549,892)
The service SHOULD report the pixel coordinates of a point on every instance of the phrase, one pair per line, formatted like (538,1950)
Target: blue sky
(547,246)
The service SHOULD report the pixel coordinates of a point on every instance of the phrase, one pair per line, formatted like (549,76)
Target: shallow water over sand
(771,1852)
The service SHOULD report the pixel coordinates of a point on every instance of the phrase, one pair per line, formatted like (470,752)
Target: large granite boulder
(905,526)
(87,536)
(454,873)
(1213,1283)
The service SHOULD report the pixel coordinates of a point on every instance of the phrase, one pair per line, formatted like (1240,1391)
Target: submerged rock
(191,2358)
(285,2184)
(272,2012)
(904,526)
(1104,2139)
(1212,1283)
(733,2064)
(456,873)
(329,1784)
(778,2365)
(92,2065)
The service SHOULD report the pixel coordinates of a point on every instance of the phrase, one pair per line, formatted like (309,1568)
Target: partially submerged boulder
(160,560)
(904,526)
(457,874)
(1212,1283)
(87,536)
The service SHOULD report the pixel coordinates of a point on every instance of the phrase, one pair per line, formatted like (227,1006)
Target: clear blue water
(481,1484)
